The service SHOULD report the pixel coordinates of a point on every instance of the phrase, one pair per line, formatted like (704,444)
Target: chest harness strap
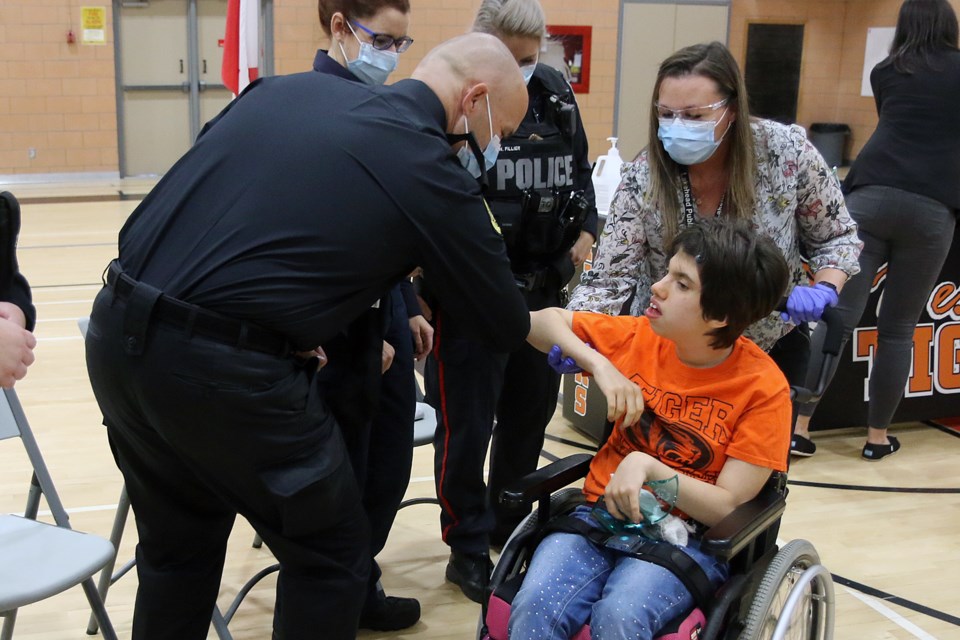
(663,554)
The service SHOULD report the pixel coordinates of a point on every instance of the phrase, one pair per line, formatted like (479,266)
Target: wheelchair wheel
(810,617)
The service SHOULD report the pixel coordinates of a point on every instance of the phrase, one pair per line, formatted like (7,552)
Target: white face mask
(372,66)
(466,155)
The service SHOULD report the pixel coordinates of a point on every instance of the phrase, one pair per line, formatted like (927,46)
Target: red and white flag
(241,45)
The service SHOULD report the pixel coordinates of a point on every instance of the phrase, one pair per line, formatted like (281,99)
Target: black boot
(471,572)
(388,613)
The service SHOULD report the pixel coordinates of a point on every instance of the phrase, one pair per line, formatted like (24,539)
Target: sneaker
(873,452)
(390,614)
(803,447)
(470,572)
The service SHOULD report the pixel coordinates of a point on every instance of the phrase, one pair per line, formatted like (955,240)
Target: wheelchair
(772,593)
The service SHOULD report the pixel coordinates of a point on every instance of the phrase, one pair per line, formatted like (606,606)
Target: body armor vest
(532,186)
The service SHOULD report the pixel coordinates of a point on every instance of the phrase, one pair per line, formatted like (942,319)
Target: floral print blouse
(799,204)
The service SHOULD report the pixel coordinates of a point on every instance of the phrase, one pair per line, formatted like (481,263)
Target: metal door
(169,54)
(211,18)
(651,30)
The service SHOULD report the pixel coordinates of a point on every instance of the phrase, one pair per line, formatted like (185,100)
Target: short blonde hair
(523,18)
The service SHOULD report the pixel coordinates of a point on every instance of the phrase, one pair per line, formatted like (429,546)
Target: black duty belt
(197,320)
(531,281)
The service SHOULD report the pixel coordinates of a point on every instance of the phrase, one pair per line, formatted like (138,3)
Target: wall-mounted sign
(93,25)
(879,40)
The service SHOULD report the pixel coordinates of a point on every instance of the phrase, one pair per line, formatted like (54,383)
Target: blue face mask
(527,71)
(372,66)
(466,155)
(689,141)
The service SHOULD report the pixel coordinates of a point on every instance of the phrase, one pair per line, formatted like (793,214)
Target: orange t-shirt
(739,408)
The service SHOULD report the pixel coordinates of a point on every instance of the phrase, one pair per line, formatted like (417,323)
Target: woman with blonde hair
(540,193)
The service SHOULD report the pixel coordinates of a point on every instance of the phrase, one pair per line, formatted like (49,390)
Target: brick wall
(433,21)
(55,98)
(59,98)
(835,35)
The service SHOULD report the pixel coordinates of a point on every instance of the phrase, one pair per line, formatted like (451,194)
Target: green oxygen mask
(657,499)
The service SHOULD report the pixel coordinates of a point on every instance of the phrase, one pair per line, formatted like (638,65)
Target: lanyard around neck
(689,210)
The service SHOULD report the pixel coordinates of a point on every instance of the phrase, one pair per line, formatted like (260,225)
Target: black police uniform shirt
(308,197)
(538,156)
(323,63)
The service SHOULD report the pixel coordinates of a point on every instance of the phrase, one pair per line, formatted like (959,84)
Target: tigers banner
(932,391)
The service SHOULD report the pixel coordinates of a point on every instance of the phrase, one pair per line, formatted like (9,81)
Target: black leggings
(912,234)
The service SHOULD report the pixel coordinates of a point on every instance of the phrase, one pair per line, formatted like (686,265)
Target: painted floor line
(891,615)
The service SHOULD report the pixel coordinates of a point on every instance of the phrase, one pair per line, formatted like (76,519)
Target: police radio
(564,115)
(573,215)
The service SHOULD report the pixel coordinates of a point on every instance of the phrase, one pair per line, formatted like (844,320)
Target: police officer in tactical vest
(540,193)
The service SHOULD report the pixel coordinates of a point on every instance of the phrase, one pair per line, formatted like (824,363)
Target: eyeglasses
(384,41)
(690,113)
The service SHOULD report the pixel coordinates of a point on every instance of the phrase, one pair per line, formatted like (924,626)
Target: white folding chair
(39,560)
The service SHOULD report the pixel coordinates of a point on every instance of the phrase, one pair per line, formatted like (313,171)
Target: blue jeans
(571,582)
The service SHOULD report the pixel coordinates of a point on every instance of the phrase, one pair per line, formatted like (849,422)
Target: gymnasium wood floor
(895,538)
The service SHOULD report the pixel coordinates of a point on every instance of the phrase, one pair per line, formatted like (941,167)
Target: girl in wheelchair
(721,424)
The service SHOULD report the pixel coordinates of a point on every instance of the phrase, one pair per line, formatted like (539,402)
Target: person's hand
(422,337)
(581,248)
(386,356)
(314,353)
(13,313)
(562,364)
(624,398)
(16,351)
(622,495)
(806,304)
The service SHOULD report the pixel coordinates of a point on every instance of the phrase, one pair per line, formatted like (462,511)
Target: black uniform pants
(202,431)
(470,386)
(390,448)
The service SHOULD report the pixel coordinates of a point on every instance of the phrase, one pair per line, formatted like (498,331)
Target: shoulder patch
(493,221)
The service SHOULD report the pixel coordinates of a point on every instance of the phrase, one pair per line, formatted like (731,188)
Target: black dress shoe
(390,614)
(471,572)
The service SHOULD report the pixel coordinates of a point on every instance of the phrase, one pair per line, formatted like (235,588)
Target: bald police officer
(304,202)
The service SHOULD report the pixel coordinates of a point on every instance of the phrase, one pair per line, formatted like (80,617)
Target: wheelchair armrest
(546,480)
(726,538)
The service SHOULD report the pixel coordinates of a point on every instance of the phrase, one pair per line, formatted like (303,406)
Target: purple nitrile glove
(806,304)
(561,364)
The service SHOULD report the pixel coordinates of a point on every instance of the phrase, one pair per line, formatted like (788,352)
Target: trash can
(829,138)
